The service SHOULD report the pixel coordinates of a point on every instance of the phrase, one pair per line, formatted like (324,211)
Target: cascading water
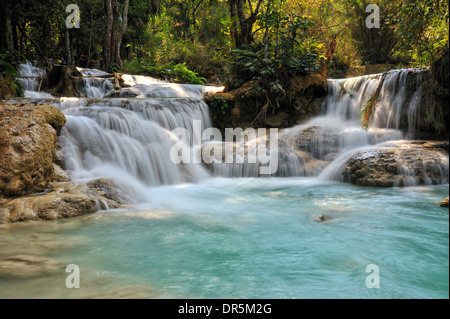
(31,77)
(232,238)
(129,138)
(132,131)
(394,106)
(323,145)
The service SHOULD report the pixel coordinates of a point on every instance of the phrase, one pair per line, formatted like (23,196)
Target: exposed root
(263,111)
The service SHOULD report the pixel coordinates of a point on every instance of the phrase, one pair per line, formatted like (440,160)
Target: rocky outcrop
(62,200)
(404,163)
(305,95)
(28,136)
(31,166)
(240,107)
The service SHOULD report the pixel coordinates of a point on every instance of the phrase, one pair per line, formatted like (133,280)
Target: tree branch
(36,45)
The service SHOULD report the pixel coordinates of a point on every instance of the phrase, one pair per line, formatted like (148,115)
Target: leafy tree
(424,35)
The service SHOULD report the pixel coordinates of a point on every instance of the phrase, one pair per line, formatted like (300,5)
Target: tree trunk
(7,40)
(113,45)
(234,28)
(245,36)
(68,51)
(108,34)
(266,32)
(122,32)
(36,45)
(156,7)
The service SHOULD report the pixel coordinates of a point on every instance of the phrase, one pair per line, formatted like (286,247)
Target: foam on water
(193,235)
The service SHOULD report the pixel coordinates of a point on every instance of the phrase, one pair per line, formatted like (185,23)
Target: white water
(33,76)
(322,145)
(224,237)
(130,138)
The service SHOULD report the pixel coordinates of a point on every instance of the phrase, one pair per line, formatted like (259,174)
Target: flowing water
(194,232)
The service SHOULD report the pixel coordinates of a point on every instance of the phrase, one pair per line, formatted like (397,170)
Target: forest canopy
(224,40)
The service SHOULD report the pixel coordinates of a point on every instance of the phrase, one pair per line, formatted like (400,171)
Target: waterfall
(128,139)
(30,77)
(323,145)
(129,134)
(394,106)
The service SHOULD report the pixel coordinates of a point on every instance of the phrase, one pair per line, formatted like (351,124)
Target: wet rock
(444,203)
(408,164)
(317,141)
(60,175)
(27,141)
(58,155)
(109,189)
(62,200)
(321,219)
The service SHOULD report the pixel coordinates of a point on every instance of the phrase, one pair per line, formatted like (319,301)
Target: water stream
(224,231)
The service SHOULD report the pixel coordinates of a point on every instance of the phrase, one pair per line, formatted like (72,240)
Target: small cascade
(325,144)
(130,136)
(129,139)
(396,108)
(130,133)
(96,87)
(30,77)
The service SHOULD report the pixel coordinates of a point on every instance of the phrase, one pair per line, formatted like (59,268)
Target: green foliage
(19,88)
(291,54)
(7,67)
(219,103)
(424,35)
(284,38)
(367,111)
(9,64)
(178,73)
(183,74)
(114,68)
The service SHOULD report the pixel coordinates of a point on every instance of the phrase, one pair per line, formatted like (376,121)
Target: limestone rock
(60,175)
(109,189)
(317,141)
(398,164)
(321,219)
(62,200)
(27,140)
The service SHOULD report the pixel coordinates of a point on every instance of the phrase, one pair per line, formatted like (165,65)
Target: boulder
(321,219)
(60,175)
(318,141)
(62,200)
(406,163)
(27,141)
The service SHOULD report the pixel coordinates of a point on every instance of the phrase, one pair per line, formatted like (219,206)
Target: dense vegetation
(226,40)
